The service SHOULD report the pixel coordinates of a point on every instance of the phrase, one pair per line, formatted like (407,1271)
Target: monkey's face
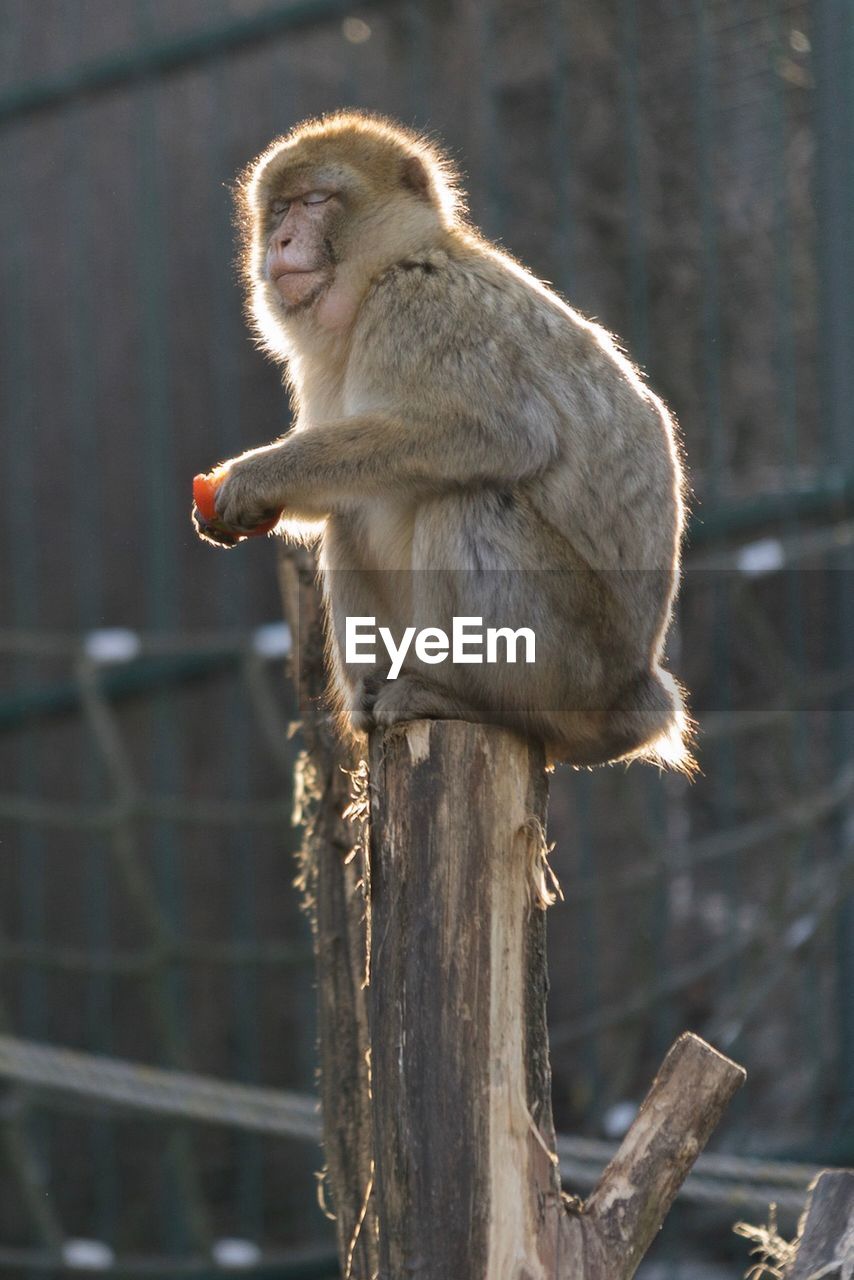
(327,208)
(300,257)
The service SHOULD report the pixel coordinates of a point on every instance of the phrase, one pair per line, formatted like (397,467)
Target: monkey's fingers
(216,534)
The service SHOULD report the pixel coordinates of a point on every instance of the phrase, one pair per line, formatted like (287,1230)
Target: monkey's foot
(409,698)
(362,701)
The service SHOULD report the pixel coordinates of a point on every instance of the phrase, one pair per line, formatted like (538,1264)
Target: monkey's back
(466,332)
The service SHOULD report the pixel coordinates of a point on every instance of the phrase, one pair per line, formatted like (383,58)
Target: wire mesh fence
(682,171)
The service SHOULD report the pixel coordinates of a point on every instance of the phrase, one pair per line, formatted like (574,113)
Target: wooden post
(466,1182)
(466,1179)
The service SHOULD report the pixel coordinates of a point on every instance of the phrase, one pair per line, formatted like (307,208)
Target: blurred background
(683,170)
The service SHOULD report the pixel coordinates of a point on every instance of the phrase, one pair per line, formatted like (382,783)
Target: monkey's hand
(249,495)
(210,532)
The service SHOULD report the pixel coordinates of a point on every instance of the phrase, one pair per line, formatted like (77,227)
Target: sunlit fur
(455,418)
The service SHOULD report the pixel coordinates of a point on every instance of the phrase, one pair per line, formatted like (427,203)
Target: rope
(731,1181)
(112,1082)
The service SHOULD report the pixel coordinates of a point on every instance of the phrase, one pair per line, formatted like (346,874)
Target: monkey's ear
(415,177)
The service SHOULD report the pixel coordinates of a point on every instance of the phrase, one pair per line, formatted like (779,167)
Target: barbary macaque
(465,446)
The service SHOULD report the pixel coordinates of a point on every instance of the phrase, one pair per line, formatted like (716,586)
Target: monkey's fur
(465,445)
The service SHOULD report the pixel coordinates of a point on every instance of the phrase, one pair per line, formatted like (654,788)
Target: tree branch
(681,1111)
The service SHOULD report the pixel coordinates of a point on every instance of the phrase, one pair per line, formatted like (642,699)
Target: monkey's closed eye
(317,197)
(280,208)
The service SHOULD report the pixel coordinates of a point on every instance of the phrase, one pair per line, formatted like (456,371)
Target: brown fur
(465,444)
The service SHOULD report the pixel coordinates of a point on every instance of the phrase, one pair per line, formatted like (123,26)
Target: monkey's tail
(648,721)
(653,708)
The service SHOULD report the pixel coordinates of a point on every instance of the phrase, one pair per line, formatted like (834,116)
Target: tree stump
(466,1179)
(463,1135)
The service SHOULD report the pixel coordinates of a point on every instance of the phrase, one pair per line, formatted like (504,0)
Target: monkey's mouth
(277,275)
(285,279)
(300,288)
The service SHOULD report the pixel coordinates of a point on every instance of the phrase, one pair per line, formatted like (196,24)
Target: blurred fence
(681,169)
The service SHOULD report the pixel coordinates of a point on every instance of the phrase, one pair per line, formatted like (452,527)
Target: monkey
(465,444)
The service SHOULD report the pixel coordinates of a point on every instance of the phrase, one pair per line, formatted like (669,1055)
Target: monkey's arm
(318,469)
